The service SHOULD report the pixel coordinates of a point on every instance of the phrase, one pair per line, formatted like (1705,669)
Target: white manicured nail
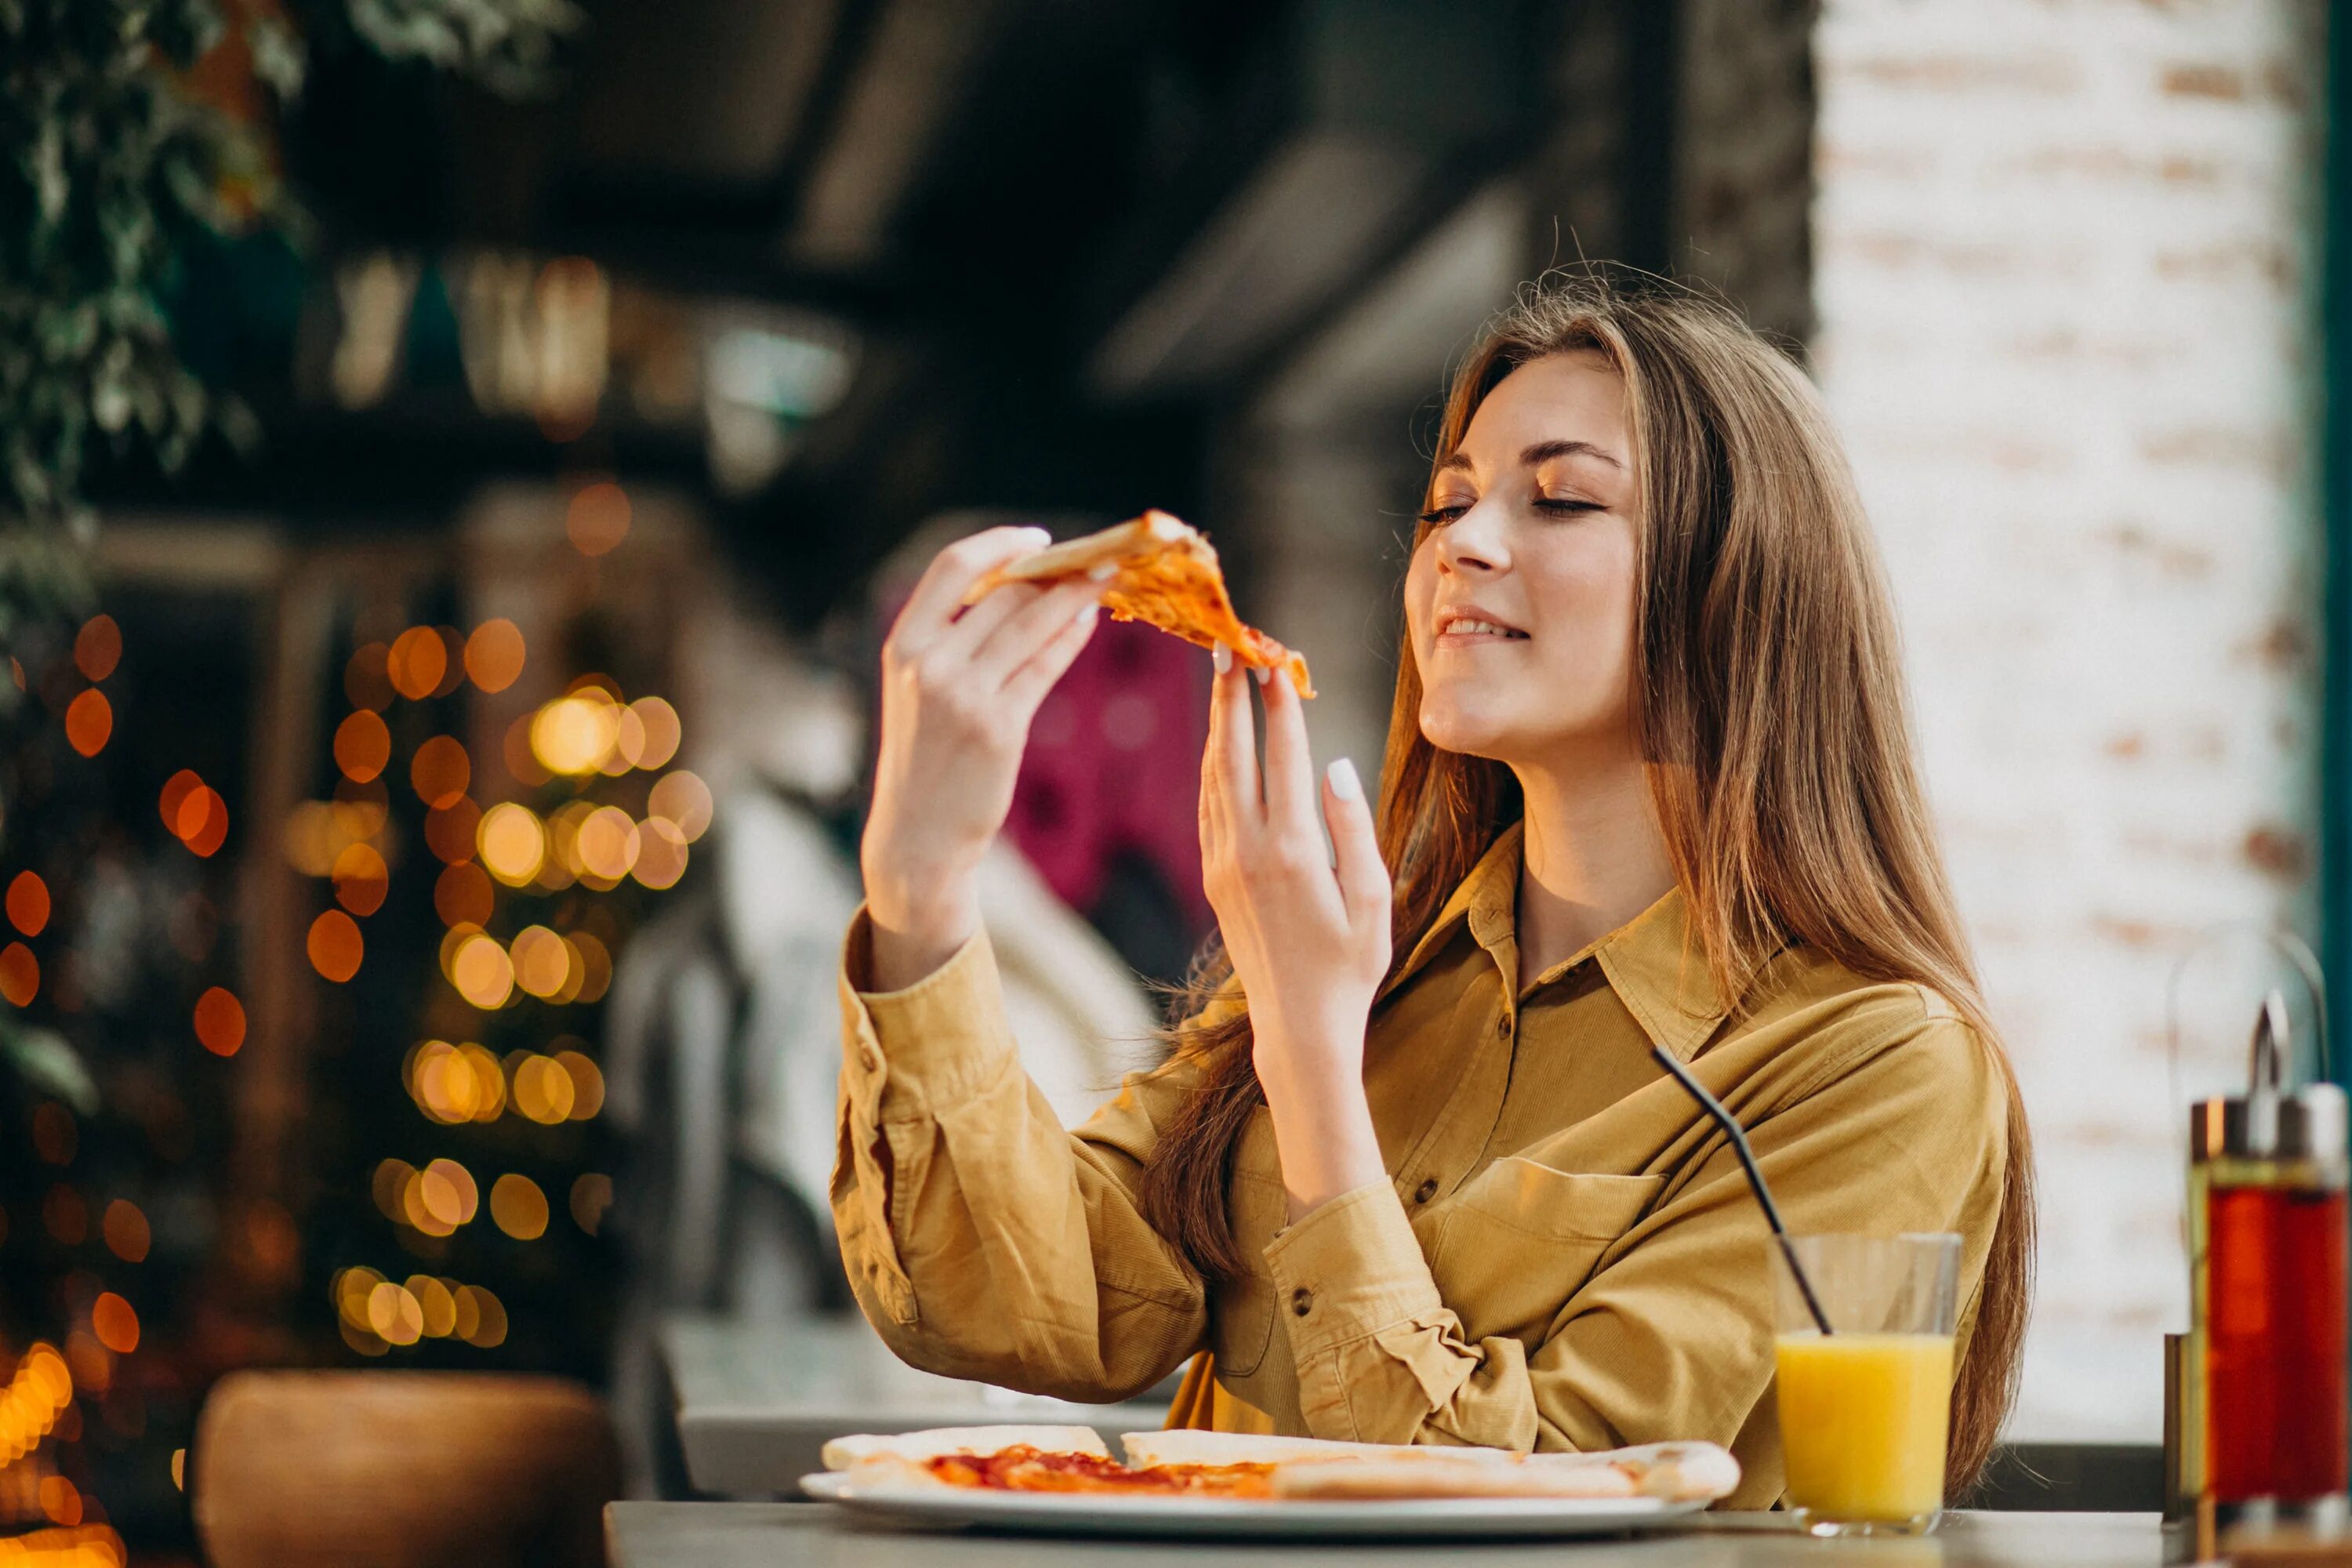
(1260,674)
(1345,784)
(1037,537)
(1103,572)
(1086,617)
(1221,659)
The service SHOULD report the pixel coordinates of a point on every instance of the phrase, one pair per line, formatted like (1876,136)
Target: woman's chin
(1450,727)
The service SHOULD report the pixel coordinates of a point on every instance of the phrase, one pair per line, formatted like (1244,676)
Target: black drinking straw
(1730,1125)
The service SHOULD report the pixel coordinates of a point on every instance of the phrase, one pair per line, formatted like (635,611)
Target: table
(757,1401)
(790,1535)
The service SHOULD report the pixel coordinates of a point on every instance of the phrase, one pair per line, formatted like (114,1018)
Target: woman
(1409,1173)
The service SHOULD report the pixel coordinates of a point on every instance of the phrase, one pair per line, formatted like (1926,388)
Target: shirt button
(1302,1300)
(1426,1191)
(1503,1026)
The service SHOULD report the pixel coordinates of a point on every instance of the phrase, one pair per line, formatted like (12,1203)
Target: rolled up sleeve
(982,1238)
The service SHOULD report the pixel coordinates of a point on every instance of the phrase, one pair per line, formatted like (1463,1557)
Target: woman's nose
(1474,541)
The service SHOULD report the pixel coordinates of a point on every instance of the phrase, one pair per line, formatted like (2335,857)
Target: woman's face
(1519,601)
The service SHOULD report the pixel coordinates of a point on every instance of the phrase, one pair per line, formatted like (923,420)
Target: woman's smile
(1467,625)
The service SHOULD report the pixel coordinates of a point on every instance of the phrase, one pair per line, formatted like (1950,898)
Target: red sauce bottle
(2271,1275)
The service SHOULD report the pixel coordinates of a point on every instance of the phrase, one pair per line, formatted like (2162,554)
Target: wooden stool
(401,1470)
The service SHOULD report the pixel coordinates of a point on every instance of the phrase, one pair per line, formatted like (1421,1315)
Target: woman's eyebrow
(1542,452)
(1545,451)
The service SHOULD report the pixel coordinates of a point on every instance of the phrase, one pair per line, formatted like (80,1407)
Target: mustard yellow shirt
(1564,1254)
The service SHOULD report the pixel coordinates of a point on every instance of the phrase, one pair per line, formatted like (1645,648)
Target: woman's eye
(1563,505)
(1438,515)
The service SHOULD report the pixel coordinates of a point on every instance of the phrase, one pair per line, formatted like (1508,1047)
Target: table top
(790,1535)
(757,1401)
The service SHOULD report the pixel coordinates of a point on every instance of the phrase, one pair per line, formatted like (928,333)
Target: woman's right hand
(957,693)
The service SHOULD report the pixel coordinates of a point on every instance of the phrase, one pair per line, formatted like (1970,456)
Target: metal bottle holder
(2256,1400)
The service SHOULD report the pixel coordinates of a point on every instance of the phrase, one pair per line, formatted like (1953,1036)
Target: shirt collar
(1654,962)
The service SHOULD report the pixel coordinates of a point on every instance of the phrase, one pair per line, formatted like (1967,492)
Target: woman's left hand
(1309,942)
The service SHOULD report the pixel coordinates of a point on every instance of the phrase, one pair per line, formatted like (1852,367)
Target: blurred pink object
(1114,768)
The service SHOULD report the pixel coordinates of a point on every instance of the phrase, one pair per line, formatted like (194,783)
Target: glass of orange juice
(1865,1407)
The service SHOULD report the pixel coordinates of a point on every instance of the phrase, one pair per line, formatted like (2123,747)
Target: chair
(401,1470)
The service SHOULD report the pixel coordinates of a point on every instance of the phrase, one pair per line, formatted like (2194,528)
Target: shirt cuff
(1349,1269)
(912,1052)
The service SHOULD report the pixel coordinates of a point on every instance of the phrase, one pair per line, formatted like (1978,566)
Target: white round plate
(1084,1513)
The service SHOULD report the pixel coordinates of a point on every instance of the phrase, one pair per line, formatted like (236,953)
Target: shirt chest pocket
(1520,1238)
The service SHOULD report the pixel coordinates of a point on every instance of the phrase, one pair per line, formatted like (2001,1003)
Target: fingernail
(1221,659)
(1345,784)
(1039,536)
(1260,673)
(1103,572)
(1086,617)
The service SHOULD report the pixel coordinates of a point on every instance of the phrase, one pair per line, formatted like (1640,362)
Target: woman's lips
(1468,632)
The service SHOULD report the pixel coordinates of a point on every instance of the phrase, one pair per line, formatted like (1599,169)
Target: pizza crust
(1160,570)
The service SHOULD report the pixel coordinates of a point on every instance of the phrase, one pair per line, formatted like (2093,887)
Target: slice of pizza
(920,1447)
(1308,1467)
(1163,572)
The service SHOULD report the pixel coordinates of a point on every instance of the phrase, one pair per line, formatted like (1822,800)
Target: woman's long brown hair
(1769,704)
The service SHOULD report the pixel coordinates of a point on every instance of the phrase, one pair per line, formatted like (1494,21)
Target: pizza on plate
(1163,572)
(1242,1466)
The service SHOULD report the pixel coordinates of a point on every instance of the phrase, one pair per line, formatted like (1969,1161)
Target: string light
(28,903)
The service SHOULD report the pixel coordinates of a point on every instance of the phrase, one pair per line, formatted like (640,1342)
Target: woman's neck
(1592,855)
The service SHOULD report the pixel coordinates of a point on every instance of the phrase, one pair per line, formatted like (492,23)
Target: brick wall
(2062,257)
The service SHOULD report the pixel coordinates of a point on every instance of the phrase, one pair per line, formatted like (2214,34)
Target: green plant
(109,167)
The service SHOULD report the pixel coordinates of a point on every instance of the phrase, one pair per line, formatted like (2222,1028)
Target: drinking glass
(1865,1408)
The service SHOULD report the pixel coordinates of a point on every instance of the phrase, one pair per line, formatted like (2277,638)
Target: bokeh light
(462,894)
(595,965)
(661,853)
(598,518)
(684,799)
(20,974)
(440,770)
(542,1090)
(367,678)
(572,735)
(361,879)
(28,903)
(125,1229)
(97,647)
(608,845)
(395,1315)
(542,962)
(453,1084)
(518,1207)
(450,830)
(659,731)
(201,821)
(114,1322)
(494,654)
(592,1195)
(587,1083)
(436,1301)
(417,661)
(513,844)
(521,765)
(176,790)
(90,720)
(362,745)
(334,946)
(481,1317)
(481,971)
(220,1022)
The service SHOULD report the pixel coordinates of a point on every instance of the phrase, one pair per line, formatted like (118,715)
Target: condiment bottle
(2269,1283)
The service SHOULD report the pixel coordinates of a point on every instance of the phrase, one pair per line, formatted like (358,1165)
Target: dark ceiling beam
(1376,104)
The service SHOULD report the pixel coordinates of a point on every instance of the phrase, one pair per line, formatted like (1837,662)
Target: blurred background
(460,456)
